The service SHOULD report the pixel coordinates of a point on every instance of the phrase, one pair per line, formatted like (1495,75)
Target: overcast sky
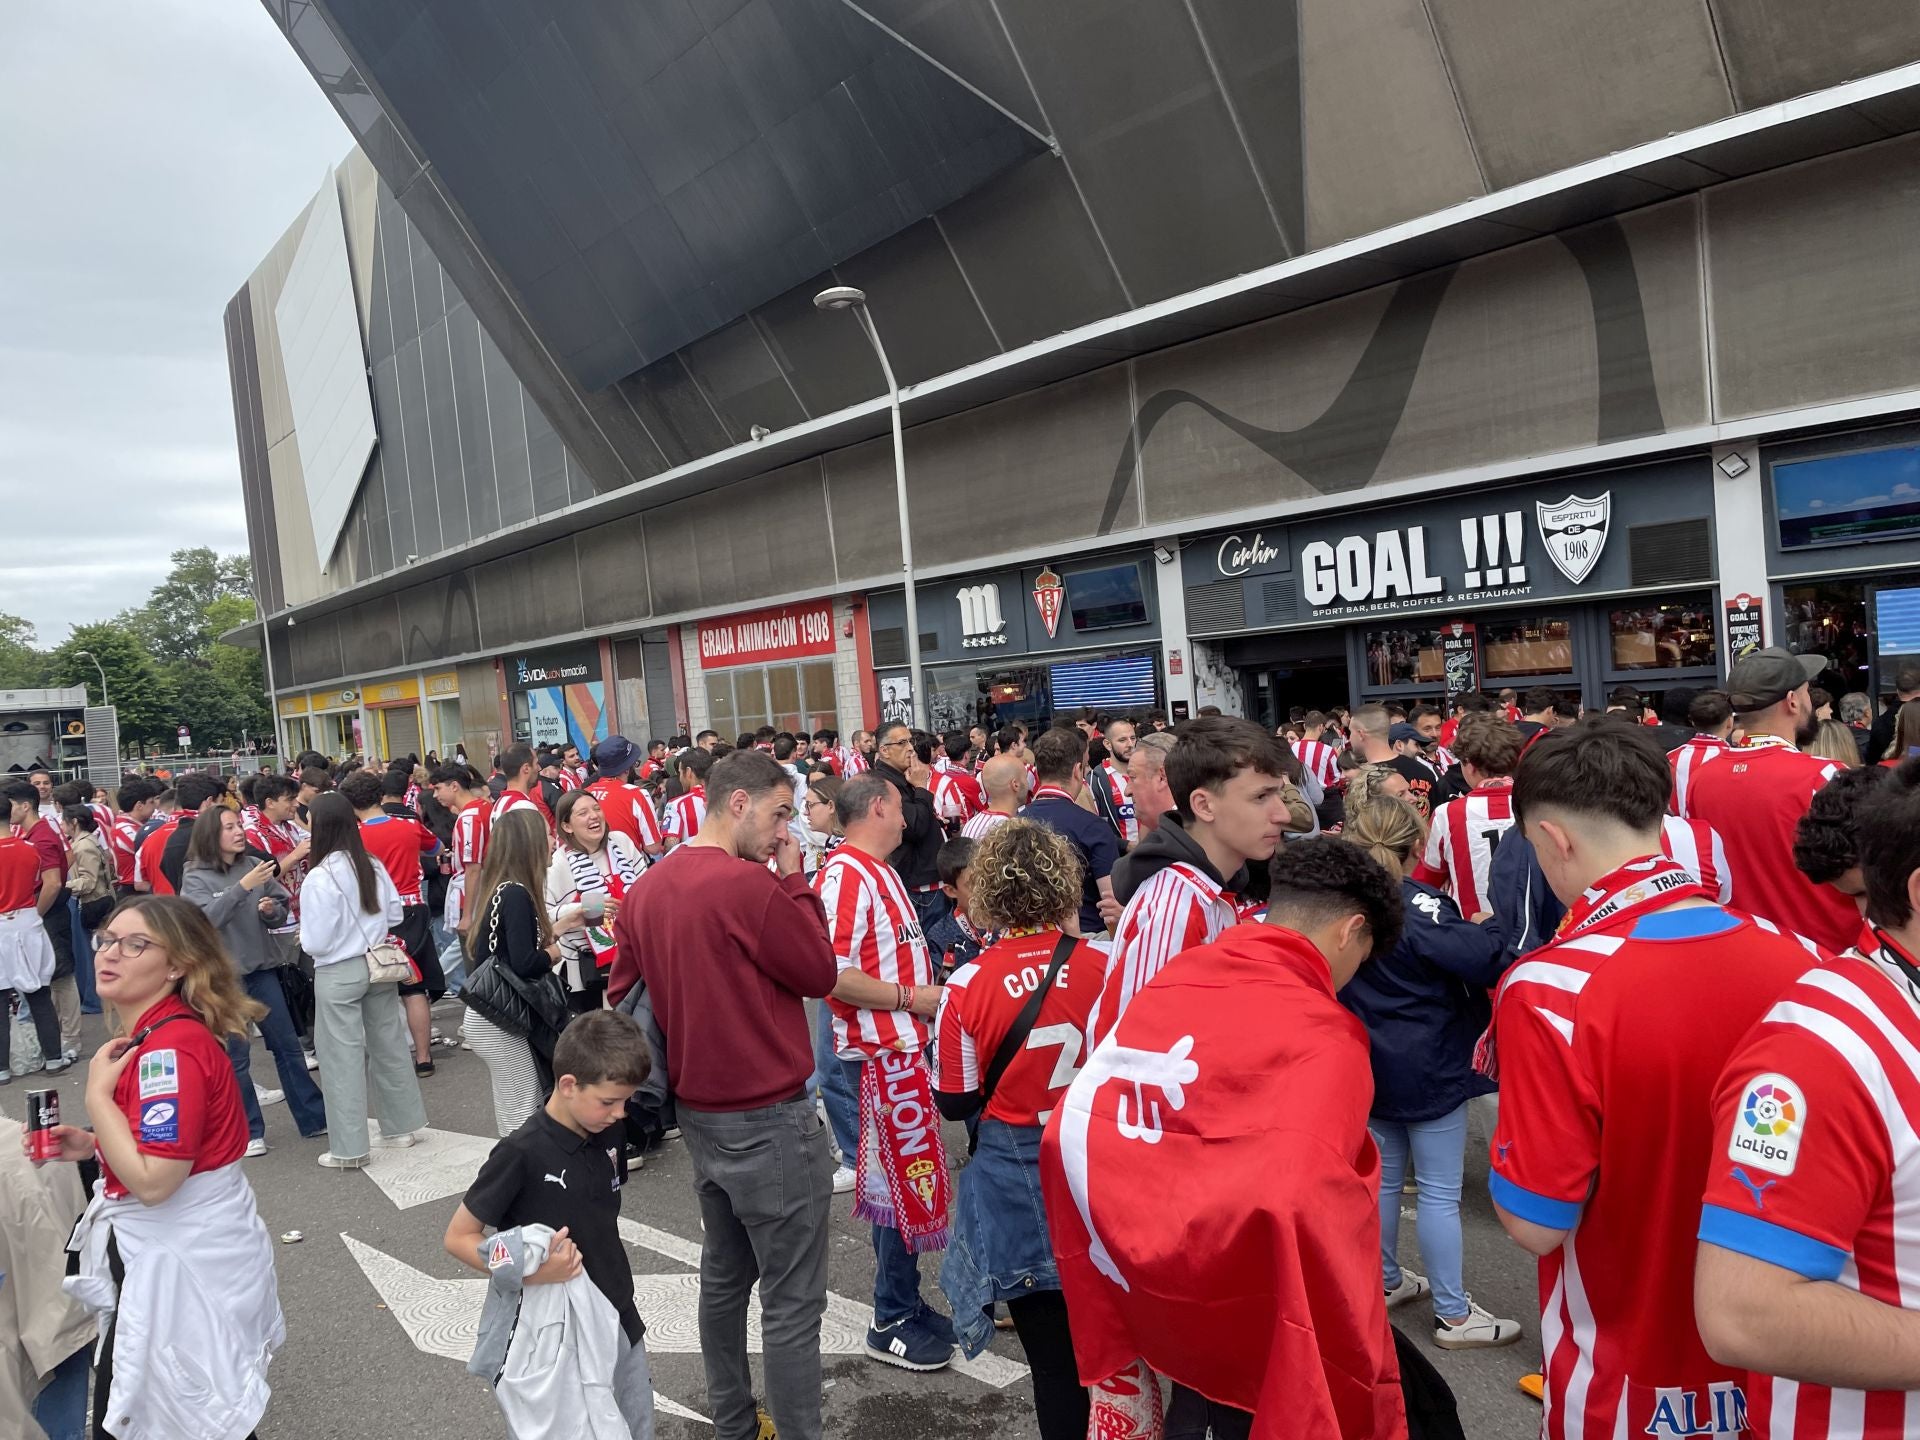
(151,152)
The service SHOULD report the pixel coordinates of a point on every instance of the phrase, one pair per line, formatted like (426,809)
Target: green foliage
(138,688)
(174,622)
(22,666)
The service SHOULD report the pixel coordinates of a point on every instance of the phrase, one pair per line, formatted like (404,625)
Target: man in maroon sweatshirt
(728,951)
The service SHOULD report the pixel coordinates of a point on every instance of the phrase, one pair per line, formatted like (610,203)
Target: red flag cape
(1210,1186)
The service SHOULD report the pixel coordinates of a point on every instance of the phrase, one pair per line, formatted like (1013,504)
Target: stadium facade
(1318,350)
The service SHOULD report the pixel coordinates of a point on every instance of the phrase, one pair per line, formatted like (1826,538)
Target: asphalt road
(380,1319)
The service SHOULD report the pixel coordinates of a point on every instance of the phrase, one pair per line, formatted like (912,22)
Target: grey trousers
(359,1030)
(764,1179)
(633,1390)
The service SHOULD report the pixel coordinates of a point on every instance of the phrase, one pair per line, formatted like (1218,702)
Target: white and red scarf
(623,868)
(1612,903)
(902,1182)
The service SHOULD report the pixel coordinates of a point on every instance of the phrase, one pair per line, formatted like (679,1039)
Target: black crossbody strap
(1022,1026)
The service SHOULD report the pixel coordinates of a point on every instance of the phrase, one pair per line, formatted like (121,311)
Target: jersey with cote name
(875,930)
(1611,1050)
(628,810)
(178,1094)
(979,1005)
(1815,1168)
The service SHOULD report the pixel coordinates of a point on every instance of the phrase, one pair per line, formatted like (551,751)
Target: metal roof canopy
(1860,112)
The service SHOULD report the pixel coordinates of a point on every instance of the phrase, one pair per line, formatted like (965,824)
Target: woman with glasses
(241,896)
(348,905)
(171,1252)
(822,825)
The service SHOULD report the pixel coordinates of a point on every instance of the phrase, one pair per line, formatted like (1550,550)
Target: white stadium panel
(326,369)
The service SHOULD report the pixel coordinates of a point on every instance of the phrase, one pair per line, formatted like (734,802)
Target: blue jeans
(83,961)
(453,959)
(896,1269)
(830,1084)
(276,1027)
(1439,1150)
(61,1407)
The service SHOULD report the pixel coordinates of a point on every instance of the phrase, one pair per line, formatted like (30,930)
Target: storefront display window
(1526,647)
(1403,657)
(1831,620)
(1678,635)
(787,697)
(1123,683)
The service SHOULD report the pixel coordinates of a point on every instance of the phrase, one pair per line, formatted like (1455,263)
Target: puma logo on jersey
(1759,1190)
(560,1179)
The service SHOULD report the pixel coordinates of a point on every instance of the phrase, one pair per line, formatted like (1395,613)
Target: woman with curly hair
(1009,1034)
(172,1253)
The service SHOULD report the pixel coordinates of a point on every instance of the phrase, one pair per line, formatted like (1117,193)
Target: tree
(136,686)
(22,666)
(174,621)
(240,670)
(219,715)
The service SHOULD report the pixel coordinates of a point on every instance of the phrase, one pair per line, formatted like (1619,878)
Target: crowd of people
(1200,1003)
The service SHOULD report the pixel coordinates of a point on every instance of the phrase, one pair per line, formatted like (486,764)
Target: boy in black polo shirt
(557,1170)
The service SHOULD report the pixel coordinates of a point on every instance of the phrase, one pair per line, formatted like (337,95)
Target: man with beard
(1755,795)
(1112,792)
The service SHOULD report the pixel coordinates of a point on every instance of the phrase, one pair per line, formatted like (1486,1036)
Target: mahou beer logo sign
(1049,597)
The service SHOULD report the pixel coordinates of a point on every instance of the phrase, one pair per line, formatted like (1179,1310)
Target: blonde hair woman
(1424,1004)
(173,1214)
(510,927)
(1026,883)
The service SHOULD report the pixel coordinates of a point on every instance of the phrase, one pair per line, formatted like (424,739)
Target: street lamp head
(840,297)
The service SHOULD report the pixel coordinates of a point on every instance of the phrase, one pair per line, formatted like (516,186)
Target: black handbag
(534,1009)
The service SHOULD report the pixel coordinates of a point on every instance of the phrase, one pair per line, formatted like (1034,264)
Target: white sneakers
(1411,1287)
(843,1180)
(396,1142)
(1479,1331)
(268,1097)
(343,1162)
(255,1149)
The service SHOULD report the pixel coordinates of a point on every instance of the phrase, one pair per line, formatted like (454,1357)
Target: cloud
(162,154)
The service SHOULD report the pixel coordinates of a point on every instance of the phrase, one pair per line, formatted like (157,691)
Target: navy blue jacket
(1424,1005)
(1525,911)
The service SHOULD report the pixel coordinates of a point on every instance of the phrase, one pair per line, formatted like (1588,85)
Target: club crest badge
(1575,532)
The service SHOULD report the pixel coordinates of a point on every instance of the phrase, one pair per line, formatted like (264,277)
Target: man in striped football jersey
(1608,1043)
(1178,884)
(1711,718)
(1807,1272)
(688,810)
(1468,828)
(881,1003)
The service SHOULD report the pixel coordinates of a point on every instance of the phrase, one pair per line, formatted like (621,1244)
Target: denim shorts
(1000,1248)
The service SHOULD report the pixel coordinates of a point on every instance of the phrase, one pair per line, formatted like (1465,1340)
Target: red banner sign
(783,632)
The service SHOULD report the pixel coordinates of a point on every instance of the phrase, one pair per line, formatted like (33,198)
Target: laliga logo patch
(920,1178)
(1770,1124)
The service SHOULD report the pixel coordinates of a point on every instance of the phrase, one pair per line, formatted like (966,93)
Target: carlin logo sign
(1575,532)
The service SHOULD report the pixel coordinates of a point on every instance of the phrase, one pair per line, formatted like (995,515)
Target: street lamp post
(845,297)
(104,702)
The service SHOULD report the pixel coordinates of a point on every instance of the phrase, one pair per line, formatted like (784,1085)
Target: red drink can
(43,1115)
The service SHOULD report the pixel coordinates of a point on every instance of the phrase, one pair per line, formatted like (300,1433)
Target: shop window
(1678,635)
(1403,657)
(1831,620)
(720,705)
(1523,648)
(819,696)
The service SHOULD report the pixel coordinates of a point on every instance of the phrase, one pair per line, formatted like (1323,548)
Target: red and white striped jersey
(121,837)
(978,1006)
(1685,761)
(852,762)
(983,824)
(468,846)
(1176,909)
(1815,1168)
(1441,759)
(686,814)
(628,809)
(510,798)
(1696,845)
(875,930)
(1461,841)
(1610,1049)
(956,795)
(566,780)
(1322,761)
